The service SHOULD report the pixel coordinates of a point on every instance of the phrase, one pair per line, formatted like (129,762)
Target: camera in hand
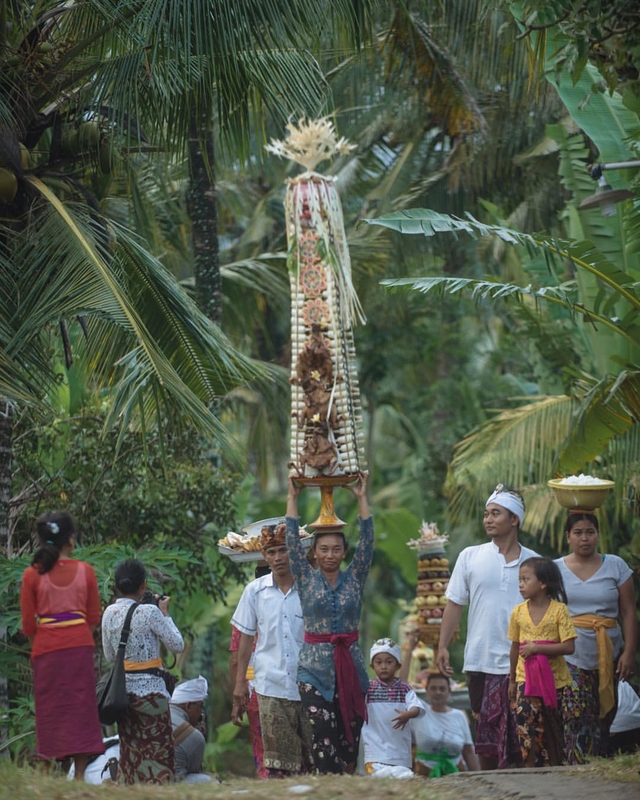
(150,597)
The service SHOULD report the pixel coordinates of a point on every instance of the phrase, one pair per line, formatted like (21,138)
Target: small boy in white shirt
(391,703)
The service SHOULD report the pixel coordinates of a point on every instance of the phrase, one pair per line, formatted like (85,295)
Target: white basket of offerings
(581,491)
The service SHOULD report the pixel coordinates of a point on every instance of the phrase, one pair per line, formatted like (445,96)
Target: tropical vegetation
(144,303)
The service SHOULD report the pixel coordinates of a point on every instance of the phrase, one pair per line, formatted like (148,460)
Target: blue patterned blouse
(328,609)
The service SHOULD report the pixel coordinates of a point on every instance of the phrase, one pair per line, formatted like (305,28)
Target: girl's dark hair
(547,572)
(319,534)
(55,529)
(579,516)
(129,576)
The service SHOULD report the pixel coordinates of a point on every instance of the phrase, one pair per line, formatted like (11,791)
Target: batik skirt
(331,750)
(64,686)
(539,730)
(146,741)
(496,730)
(585,734)
(286,736)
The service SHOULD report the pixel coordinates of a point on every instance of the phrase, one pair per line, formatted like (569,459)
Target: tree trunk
(6,439)
(6,429)
(203,212)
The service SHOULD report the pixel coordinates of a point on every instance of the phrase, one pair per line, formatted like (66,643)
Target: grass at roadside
(620,768)
(29,784)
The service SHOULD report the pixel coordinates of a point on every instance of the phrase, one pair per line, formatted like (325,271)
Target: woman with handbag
(60,608)
(146,744)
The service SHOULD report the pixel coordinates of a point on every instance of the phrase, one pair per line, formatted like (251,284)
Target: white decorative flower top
(430,538)
(310,143)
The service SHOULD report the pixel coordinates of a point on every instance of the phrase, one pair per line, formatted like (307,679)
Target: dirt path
(557,783)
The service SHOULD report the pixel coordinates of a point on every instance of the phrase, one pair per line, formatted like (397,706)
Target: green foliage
(155,498)
(20,728)
(154,487)
(567,435)
(575,33)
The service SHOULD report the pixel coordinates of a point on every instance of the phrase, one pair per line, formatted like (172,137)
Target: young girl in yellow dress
(541,634)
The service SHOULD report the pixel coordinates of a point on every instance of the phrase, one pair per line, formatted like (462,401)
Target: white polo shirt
(484,581)
(277,619)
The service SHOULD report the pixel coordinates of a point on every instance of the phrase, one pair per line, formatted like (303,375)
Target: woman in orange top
(60,608)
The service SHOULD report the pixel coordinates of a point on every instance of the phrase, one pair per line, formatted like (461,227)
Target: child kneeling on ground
(391,703)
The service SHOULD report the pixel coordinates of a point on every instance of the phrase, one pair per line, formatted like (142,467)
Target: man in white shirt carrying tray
(485,578)
(270,608)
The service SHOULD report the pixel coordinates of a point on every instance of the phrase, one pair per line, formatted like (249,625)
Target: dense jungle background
(144,298)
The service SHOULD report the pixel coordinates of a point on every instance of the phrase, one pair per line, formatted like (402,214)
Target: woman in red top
(60,608)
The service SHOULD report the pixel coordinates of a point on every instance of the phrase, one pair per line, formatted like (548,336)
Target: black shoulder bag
(111,689)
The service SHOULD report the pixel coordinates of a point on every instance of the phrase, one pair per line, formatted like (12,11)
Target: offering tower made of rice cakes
(433,578)
(326,431)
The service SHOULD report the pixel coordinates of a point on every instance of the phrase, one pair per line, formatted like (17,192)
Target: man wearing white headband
(485,578)
(187,702)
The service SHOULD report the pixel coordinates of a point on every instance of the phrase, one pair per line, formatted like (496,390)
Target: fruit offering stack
(433,577)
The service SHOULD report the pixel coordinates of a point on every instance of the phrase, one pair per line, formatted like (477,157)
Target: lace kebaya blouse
(328,609)
(149,627)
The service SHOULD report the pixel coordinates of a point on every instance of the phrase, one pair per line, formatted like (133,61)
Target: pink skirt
(66,711)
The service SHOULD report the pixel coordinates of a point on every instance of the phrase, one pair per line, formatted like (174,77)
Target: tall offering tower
(326,425)
(433,578)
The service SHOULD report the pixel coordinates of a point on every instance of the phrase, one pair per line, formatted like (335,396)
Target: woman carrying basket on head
(599,591)
(332,677)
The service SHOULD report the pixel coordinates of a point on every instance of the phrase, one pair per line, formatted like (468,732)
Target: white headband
(507,500)
(386,646)
(193,691)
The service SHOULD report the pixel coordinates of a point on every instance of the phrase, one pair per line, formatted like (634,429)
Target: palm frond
(582,255)
(517,447)
(426,74)
(147,340)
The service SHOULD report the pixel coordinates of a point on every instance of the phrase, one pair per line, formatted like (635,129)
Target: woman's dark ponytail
(55,530)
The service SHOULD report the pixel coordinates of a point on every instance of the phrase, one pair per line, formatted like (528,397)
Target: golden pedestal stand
(328,521)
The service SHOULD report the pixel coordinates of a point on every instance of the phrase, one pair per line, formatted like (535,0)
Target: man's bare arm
(450,621)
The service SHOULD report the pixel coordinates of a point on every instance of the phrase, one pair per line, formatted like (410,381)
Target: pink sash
(538,678)
(350,694)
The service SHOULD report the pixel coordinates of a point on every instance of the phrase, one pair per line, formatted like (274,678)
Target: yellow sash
(605,656)
(63,620)
(139,666)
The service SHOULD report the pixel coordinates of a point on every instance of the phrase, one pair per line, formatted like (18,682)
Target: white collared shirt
(277,619)
(484,581)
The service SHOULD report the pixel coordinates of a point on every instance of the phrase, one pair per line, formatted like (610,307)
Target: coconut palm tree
(89,95)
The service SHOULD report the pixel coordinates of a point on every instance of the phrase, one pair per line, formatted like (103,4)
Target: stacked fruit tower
(433,578)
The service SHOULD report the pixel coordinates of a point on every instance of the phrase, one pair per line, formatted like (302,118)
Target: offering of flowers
(430,538)
(582,480)
(581,491)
